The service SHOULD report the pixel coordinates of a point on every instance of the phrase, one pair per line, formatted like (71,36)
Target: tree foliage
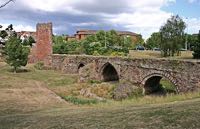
(4,35)
(196,53)
(105,43)
(58,39)
(67,47)
(29,41)
(172,36)
(154,41)
(192,39)
(15,54)
(140,41)
(102,43)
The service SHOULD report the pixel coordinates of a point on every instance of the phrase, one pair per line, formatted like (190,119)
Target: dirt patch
(34,96)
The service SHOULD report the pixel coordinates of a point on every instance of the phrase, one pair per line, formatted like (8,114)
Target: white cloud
(147,18)
(193,25)
(84,24)
(19,27)
(82,5)
(140,16)
(23,28)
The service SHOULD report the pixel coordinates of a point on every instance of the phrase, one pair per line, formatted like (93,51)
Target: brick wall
(43,47)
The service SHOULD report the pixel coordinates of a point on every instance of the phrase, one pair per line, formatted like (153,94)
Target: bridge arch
(109,73)
(151,82)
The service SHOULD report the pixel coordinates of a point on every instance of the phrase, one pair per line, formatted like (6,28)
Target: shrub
(103,90)
(79,101)
(96,53)
(94,81)
(117,54)
(137,93)
(39,65)
(196,54)
(127,90)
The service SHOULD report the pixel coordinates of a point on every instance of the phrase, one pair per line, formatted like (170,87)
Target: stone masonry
(184,74)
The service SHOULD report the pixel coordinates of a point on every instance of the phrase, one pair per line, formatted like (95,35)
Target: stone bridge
(146,73)
(185,75)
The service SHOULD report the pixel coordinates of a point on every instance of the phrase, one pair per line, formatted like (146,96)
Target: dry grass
(144,54)
(25,91)
(157,54)
(89,90)
(27,103)
(166,116)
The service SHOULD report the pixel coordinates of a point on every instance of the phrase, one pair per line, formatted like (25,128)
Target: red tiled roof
(127,33)
(70,37)
(86,32)
(90,32)
(26,33)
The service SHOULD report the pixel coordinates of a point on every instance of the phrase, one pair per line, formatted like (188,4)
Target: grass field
(28,101)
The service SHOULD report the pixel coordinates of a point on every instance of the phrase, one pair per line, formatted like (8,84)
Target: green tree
(172,36)
(139,41)
(31,40)
(3,34)
(154,41)
(15,54)
(196,53)
(191,40)
(68,47)
(58,39)
(113,39)
(25,42)
(60,48)
(104,43)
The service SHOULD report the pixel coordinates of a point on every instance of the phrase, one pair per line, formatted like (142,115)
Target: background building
(82,34)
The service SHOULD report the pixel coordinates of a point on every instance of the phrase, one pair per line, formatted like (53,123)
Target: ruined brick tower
(43,46)
(44,41)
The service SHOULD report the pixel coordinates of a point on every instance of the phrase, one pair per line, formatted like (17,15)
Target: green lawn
(28,101)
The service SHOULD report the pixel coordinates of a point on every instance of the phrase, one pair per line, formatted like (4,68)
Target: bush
(94,81)
(79,101)
(127,90)
(196,54)
(103,90)
(117,54)
(39,65)
(60,48)
(137,93)
(96,53)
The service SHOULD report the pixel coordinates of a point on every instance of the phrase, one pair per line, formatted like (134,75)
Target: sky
(139,16)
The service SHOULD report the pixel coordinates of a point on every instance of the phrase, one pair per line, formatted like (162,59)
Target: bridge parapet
(185,74)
